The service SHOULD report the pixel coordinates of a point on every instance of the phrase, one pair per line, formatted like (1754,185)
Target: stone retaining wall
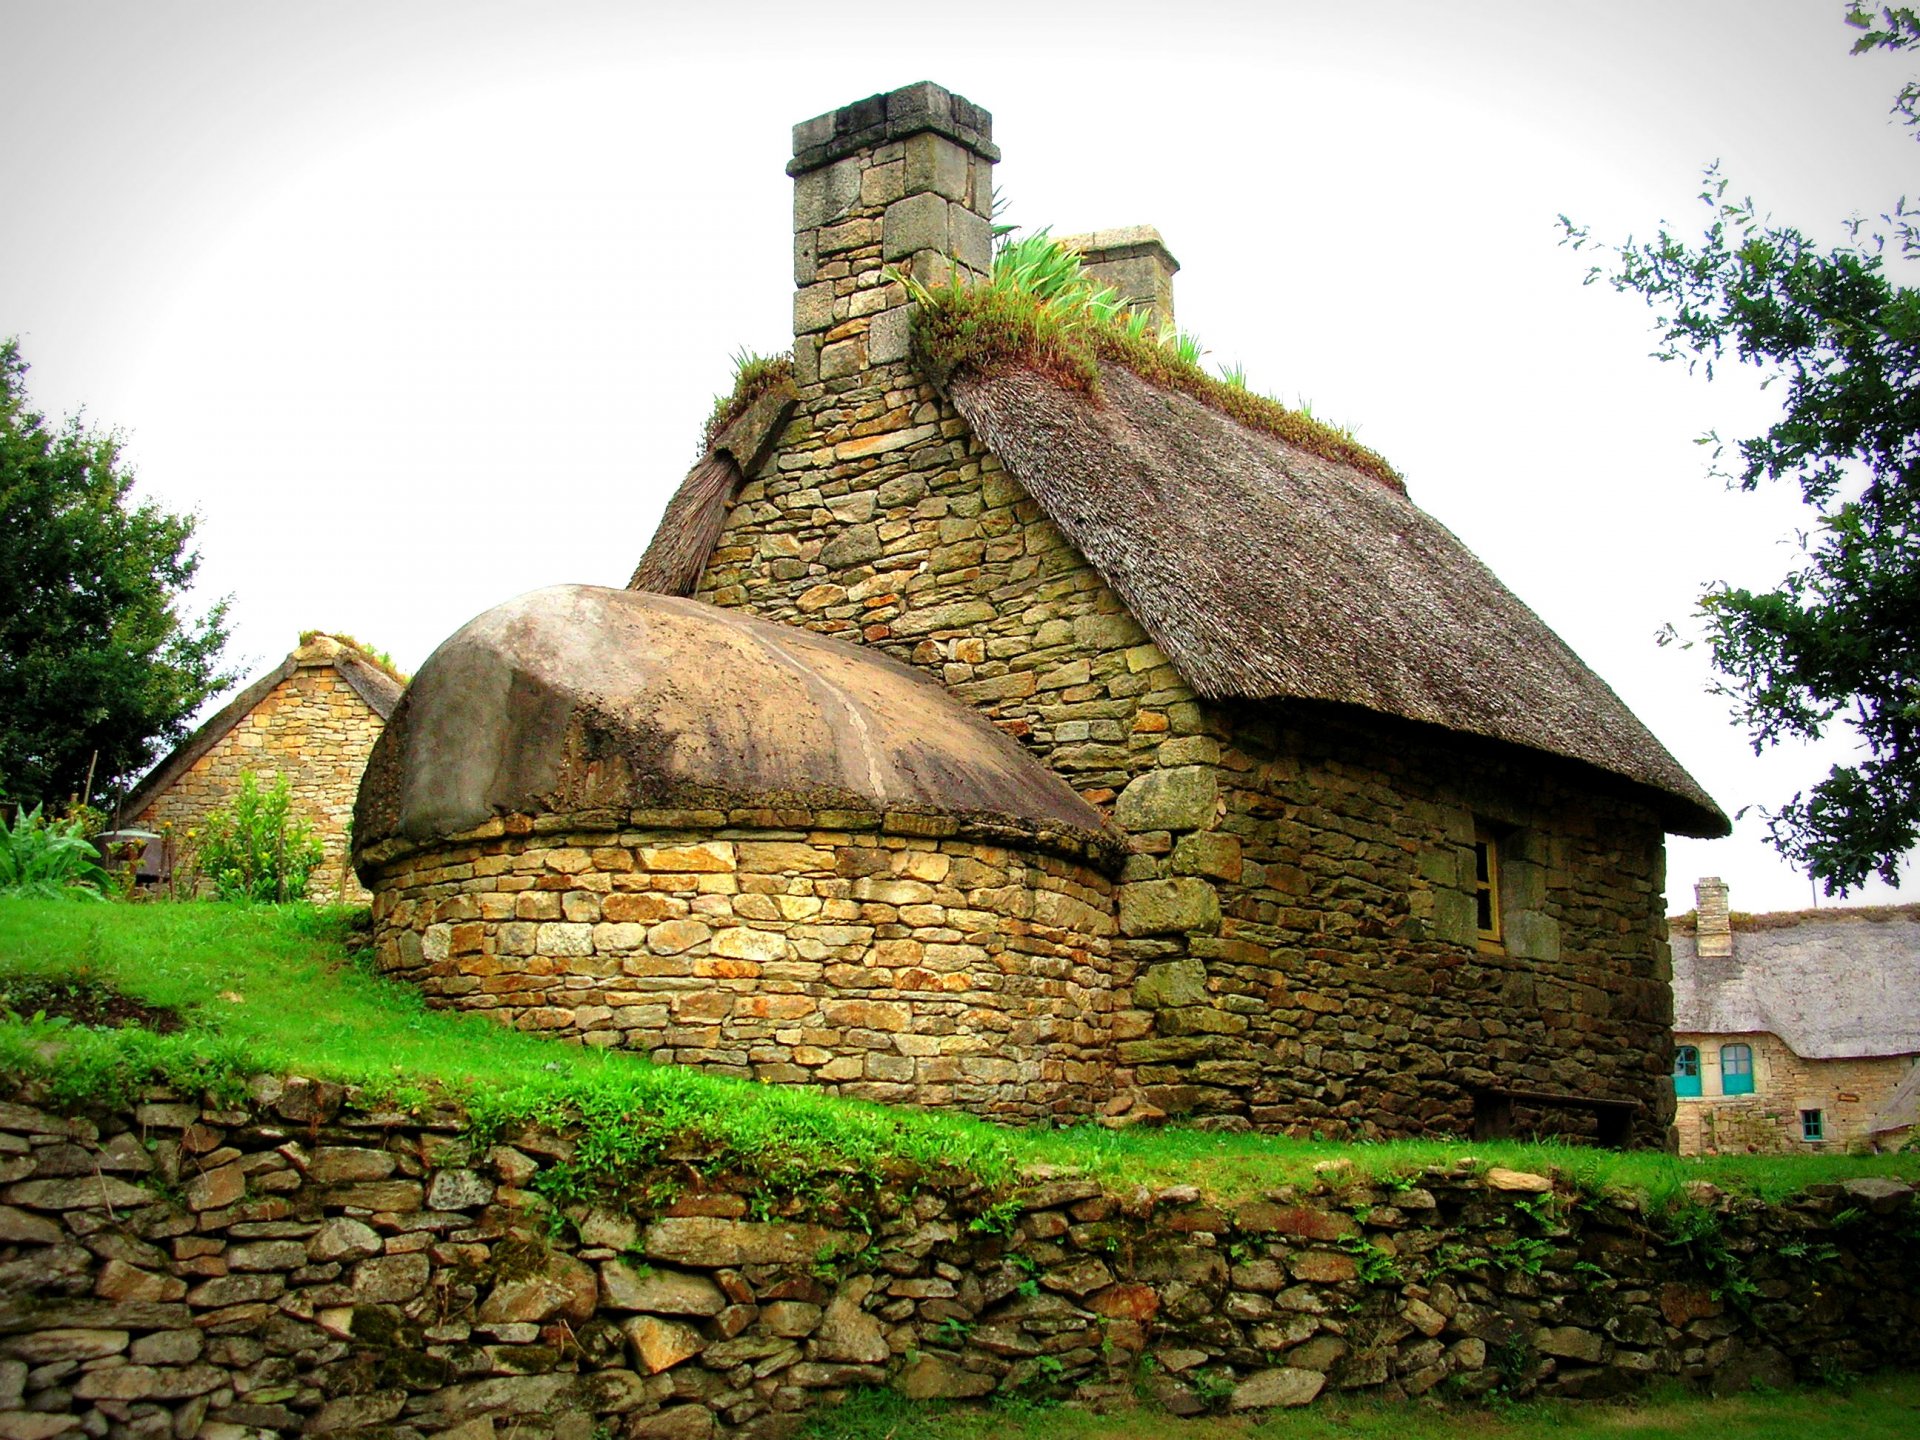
(301,1263)
(906,969)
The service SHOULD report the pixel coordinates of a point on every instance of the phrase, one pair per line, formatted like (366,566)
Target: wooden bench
(1493,1113)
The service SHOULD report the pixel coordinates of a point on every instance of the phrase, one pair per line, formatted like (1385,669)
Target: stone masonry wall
(313,728)
(1848,1093)
(1302,882)
(910,970)
(305,1262)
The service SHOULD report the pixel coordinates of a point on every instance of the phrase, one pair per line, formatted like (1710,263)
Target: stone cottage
(314,719)
(1797,1031)
(994,743)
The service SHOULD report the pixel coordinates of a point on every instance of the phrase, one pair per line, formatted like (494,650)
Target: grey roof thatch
(364,676)
(1264,572)
(581,698)
(1833,984)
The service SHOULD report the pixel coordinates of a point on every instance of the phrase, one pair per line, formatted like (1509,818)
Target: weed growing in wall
(753,376)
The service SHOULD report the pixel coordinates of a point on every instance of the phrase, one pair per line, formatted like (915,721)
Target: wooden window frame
(1486,887)
(1813,1126)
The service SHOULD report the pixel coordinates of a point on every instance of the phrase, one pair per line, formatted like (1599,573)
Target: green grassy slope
(278,989)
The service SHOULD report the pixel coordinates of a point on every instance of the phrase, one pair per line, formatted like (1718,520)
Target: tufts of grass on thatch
(753,376)
(1041,311)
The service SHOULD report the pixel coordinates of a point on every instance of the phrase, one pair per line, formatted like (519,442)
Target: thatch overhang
(1266,572)
(1833,984)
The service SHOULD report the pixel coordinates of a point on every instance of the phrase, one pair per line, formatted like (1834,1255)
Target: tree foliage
(1838,639)
(99,665)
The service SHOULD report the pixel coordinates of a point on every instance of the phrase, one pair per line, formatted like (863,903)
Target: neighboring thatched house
(1311,825)
(314,719)
(1795,1031)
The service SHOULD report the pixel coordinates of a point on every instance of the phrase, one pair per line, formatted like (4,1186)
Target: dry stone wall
(303,1261)
(313,728)
(906,969)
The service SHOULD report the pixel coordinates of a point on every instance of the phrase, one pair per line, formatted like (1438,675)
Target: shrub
(50,858)
(254,848)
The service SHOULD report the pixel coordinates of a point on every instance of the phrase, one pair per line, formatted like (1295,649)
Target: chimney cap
(910,110)
(1122,243)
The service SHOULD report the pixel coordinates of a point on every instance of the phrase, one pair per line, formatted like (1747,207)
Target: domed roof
(580,698)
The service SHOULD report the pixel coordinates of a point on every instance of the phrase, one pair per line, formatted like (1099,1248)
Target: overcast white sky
(421,305)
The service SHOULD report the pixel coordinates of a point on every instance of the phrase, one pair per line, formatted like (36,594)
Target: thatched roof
(365,676)
(580,698)
(697,513)
(1266,572)
(1832,984)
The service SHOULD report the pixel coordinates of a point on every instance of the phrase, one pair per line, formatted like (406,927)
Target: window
(1813,1125)
(1486,886)
(1686,1070)
(1736,1070)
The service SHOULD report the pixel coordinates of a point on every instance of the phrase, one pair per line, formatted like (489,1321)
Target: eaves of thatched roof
(1835,984)
(1265,572)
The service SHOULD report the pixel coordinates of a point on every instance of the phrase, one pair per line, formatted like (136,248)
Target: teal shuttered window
(1686,1070)
(1736,1069)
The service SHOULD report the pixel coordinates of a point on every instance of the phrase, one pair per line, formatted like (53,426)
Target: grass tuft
(1040,311)
(753,376)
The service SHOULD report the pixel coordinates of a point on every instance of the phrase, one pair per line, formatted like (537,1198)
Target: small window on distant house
(1486,886)
(1686,1070)
(1813,1124)
(1736,1069)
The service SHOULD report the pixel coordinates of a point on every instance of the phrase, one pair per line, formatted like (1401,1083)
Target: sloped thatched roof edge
(1836,986)
(691,524)
(1266,572)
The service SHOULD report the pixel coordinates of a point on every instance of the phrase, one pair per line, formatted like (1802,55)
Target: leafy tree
(98,666)
(1838,640)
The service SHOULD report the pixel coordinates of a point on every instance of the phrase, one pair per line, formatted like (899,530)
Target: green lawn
(277,988)
(1886,1407)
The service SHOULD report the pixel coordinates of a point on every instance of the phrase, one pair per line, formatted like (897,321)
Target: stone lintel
(910,110)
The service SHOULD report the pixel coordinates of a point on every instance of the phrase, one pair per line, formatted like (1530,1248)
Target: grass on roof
(753,376)
(280,989)
(1041,311)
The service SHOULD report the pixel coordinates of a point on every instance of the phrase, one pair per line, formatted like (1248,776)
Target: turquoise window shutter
(1736,1069)
(1686,1070)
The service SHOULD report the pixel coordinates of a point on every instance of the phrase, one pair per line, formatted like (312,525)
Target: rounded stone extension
(635,821)
(580,699)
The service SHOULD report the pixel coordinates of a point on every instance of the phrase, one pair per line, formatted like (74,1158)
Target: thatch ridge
(1264,571)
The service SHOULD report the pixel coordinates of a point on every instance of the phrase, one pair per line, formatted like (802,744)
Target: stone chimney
(1713,932)
(898,181)
(1135,261)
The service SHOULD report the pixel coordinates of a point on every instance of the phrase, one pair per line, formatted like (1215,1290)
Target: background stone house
(1795,1031)
(314,719)
(1358,845)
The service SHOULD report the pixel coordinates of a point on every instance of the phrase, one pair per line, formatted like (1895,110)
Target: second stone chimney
(1135,261)
(1713,932)
(897,181)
